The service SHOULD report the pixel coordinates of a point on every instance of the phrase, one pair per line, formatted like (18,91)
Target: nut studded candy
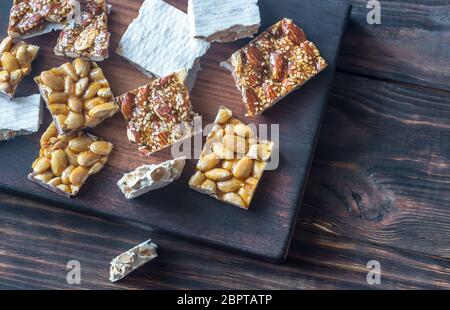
(232,161)
(15,64)
(274,64)
(159,114)
(77,95)
(30,18)
(65,162)
(131,260)
(88,39)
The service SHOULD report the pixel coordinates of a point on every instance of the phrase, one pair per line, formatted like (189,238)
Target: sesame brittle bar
(89,38)
(77,95)
(15,64)
(65,162)
(274,64)
(159,114)
(232,161)
(34,17)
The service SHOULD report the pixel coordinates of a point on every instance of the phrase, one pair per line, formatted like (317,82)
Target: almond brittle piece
(65,162)
(89,38)
(30,18)
(159,114)
(232,161)
(273,65)
(77,95)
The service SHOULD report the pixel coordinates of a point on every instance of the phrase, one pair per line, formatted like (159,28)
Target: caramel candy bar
(29,18)
(232,161)
(131,260)
(89,38)
(65,162)
(274,64)
(159,114)
(15,64)
(77,95)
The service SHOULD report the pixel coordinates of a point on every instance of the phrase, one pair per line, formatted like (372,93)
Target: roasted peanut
(82,67)
(66,173)
(80,144)
(81,86)
(231,185)
(48,133)
(209,187)
(55,181)
(235,143)
(223,116)
(71,156)
(101,147)
(74,120)
(69,70)
(58,162)
(197,179)
(87,158)
(243,131)
(218,174)
(41,165)
(221,151)
(9,62)
(75,104)
(44,177)
(79,175)
(95,168)
(103,110)
(104,92)
(92,90)
(69,86)
(53,81)
(234,199)
(64,188)
(243,168)
(207,162)
(58,108)
(57,97)
(96,74)
(246,195)
(4,76)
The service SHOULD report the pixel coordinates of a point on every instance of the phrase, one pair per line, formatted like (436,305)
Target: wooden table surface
(379,188)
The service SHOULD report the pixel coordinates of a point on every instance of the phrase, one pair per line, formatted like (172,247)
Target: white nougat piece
(223,20)
(151,177)
(131,260)
(20,116)
(158,41)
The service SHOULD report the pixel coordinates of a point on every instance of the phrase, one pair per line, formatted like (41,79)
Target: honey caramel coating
(77,95)
(273,65)
(89,39)
(15,63)
(29,15)
(159,114)
(65,162)
(232,161)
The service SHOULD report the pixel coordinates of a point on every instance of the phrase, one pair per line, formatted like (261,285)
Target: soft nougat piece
(223,20)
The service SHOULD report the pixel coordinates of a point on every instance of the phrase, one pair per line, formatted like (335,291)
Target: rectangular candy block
(65,162)
(232,161)
(77,95)
(29,18)
(89,38)
(159,114)
(274,64)
(15,64)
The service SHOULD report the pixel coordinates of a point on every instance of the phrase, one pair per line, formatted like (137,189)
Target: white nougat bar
(20,116)
(223,20)
(158,42)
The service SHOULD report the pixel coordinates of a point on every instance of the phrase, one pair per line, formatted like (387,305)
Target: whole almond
(128,105)
(292,32)
(277,65)
(253,56)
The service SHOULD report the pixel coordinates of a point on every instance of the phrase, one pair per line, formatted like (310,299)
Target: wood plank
(264,230)
(38,239)
(410,44)
(382,169)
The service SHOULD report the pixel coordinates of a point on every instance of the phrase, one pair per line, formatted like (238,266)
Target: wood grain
(266,229)
(382,169)
(38,240)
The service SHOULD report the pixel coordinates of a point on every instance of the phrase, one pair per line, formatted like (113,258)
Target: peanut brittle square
(232,161)
(77,95)
(89,38)
(15,64)
(34,17)
(273,65)
(65,162)
(159,114)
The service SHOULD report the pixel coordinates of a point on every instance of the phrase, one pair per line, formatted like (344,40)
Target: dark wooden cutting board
(264,230)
